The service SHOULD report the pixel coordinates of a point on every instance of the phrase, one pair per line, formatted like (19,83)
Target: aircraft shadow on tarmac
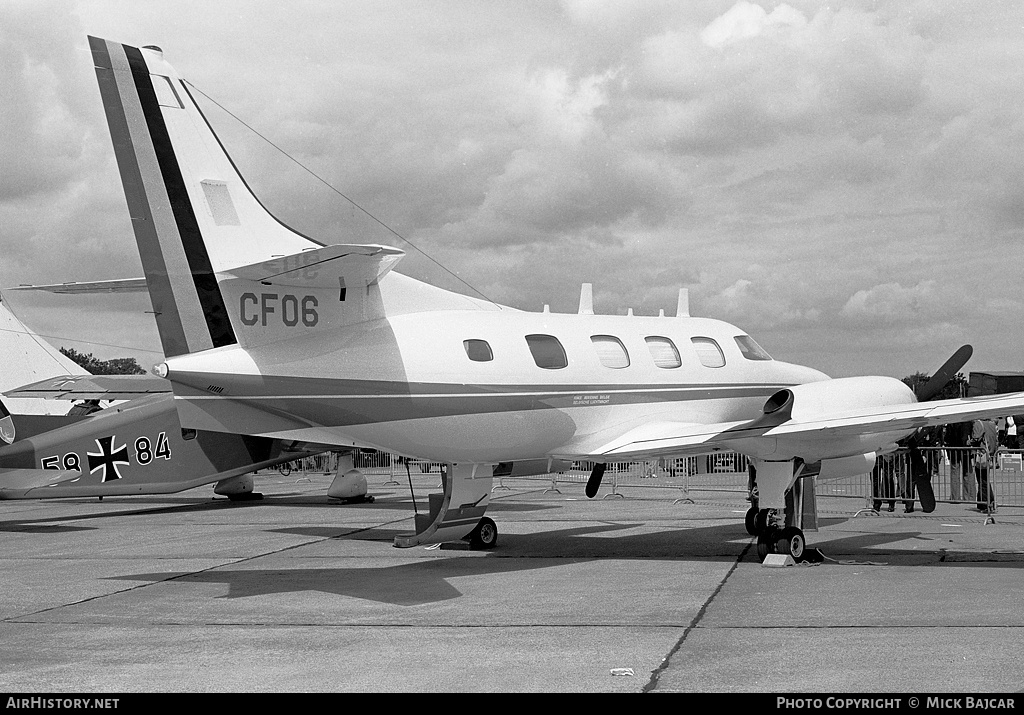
(150,505)
(430,580)
(54,524)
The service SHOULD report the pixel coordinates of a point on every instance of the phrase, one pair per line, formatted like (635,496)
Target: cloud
(749,78)
(42,100)
(808,171)
(890,303)
(746,20)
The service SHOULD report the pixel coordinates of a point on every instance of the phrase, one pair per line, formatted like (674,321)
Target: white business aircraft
(270,333)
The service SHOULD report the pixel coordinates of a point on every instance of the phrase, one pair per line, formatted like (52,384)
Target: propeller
(921,477)
(6,425)
(594,483)
(944,374)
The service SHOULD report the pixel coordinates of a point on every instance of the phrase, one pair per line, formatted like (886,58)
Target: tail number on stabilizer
(107,458)
(270,308)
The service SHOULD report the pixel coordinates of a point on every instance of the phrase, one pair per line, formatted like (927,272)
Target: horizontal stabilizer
(122,285)
(15,482)
(93,387)
(347,266)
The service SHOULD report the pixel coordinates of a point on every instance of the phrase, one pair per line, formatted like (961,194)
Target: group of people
(968,446)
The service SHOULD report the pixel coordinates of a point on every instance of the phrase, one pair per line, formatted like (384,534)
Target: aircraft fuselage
(480,386)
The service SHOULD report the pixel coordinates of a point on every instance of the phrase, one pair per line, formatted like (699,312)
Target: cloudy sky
(844,181)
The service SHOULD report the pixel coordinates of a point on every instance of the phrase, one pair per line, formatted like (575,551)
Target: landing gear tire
(790,541)
(760,522)
(750,521)
(766,543)
(485,535)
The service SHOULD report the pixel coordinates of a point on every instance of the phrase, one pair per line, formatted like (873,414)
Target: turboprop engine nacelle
(818,402)
(815,400)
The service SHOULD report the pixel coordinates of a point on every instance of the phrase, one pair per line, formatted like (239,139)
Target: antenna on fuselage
(683,305)
(587,299)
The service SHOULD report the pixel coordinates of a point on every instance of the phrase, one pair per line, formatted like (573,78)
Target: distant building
(994,383)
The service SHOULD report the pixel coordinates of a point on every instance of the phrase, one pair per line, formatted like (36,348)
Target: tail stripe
(189,307)
(158,276)
(200,267)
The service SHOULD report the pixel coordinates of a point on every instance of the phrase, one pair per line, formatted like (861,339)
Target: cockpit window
(750,349)
(547,351)
(478,350)
(708,352)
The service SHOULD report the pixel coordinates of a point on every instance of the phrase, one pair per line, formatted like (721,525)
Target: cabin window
(750,349)
(610,351)
(478,350)
(708,352)
(547,351)
(664,352)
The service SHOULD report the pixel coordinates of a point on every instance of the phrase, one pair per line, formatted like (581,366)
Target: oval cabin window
(663,352)
(547,351)
(610,351)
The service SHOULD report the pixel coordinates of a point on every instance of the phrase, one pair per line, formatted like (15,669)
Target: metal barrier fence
(956,473)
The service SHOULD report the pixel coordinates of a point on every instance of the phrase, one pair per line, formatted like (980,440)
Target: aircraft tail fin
(193,215)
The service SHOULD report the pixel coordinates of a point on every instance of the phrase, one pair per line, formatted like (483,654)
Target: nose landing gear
(780,531)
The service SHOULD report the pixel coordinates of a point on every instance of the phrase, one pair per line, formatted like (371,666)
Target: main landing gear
(457,514)
(485,535)
(780,531)
(773,539)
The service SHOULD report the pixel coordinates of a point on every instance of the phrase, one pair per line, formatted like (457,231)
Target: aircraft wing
(653,439)
(657,439)
(15,483)
(126,285)
(93,387)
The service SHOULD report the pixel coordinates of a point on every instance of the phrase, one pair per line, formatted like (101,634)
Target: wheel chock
(778,560)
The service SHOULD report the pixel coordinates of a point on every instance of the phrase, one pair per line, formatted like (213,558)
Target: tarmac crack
(652,684)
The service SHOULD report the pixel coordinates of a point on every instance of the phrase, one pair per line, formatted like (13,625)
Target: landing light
(160,370)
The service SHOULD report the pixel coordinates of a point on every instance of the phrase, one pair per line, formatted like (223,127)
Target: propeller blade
(944,374)
(594,483)
(925,494)
(920,475)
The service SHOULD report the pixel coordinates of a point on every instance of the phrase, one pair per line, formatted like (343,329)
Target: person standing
(984,435)
(961,481)
(883,484)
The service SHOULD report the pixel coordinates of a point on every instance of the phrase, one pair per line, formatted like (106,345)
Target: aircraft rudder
(159,208)
(193,215)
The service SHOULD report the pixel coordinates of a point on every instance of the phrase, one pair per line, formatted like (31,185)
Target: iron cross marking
(108,458)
